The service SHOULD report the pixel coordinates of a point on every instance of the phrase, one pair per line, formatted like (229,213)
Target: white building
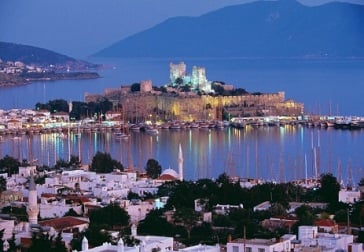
(310,237)
(261,245)
(349,196)
(8,227)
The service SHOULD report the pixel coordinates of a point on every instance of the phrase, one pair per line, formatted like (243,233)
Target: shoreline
(15,80)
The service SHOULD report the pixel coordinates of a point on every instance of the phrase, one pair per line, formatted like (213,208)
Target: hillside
(39,56)
(282,28)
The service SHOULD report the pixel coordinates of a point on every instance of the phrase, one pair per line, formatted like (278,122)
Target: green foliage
(79,109)
(202,234)
(103,163)
(357,213)
(186,217)
(156,224)
(71,212)
(135,87)
(58,245)
(12,243)
(179,81)
(53,106)
(133,195)
(305,216)
(44,242)
(9,165)
(2,184)
(109,217)
(61,163)
(76,242)
(19,212)
(153,168)
(73,163)
(329,190)
(96,235)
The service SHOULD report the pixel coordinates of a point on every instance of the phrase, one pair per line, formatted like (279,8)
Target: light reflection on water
(272,153)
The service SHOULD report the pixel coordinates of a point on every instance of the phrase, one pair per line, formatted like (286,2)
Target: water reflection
(273,153)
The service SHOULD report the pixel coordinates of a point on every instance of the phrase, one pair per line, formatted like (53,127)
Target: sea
(325,86)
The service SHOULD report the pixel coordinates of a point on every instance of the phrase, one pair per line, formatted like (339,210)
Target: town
(13,73)
(104,206)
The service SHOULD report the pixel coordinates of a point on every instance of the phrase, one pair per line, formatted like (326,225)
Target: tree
(2,184)
(153,168)
(179,81)
(305,215)
(58,245)
(61,163)
(10,165)
(74,161)
(103,163)
(111,216)
(41,242)
(12,244)
(71,212)
(186,217)
(135,87)
(155,224)
(329,190)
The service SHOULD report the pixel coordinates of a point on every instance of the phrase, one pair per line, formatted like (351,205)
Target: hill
(31,55)
(282,28)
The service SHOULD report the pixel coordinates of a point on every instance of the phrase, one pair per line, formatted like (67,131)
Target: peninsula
(22,64)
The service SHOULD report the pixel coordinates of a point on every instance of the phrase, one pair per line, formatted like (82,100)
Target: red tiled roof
(25,242)
(325,223)
(81,199)
(48,195)
(89,206)
(63,223)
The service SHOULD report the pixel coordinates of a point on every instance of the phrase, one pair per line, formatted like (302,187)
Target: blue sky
(79,28)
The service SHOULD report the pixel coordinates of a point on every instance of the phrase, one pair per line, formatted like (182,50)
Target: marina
(271,152)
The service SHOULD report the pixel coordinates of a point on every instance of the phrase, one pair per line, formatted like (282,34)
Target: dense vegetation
(79,109)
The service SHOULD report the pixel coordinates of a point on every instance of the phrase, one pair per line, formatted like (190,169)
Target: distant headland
(22,64)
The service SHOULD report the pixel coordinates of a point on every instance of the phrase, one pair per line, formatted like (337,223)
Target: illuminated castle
(197,81)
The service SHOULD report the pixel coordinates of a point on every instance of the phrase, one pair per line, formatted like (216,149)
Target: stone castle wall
(139,107)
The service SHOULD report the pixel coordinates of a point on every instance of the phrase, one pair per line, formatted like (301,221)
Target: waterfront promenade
(338,122)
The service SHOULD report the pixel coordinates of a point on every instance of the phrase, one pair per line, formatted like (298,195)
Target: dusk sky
(82,27)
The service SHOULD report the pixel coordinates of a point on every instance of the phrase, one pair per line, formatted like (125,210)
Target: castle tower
(33,208)
(177,71)
(180,163)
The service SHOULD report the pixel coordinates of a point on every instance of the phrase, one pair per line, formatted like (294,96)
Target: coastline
(14,80)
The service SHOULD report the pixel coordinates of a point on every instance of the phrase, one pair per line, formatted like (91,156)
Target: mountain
(39,56)
(282,28)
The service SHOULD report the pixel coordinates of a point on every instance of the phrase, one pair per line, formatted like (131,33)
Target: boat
(121,135)
(175,125)
(151,130)
(135,127)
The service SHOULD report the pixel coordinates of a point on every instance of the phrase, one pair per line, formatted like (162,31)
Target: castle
(198,102)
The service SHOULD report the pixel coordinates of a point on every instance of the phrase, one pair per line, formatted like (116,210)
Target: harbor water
(279,153)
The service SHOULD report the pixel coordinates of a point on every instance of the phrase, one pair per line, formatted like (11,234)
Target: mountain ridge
(282,28)
(40,56)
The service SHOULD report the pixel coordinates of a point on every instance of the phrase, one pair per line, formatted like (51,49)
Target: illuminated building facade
(197,81)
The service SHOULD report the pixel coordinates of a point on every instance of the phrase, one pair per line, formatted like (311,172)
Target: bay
(275,153)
